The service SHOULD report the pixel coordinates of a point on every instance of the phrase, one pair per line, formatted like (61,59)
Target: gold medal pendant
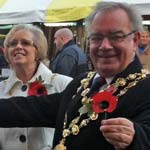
(60,146)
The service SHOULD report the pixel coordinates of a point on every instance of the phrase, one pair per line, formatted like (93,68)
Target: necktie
(98,82)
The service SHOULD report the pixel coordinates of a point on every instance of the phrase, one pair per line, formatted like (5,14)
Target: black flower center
(40,91)
(104,104)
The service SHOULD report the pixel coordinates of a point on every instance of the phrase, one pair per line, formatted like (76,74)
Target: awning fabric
(22,11)
(28,11)
(69,10)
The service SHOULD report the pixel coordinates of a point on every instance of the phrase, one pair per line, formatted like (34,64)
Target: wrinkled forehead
(144,33)
(113,14)
(22,33)
(110,22)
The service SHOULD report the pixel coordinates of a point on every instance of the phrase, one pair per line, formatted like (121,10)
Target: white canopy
(28,11)
(22,11)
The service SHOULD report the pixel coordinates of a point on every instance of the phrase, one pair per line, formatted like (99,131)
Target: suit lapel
(134,66)
(75,104)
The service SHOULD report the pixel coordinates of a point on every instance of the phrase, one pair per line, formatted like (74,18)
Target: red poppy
(37,88)
(104,102)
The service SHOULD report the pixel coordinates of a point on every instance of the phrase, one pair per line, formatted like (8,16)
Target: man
(144,40)
(115,118)
(143,50)
(70,59)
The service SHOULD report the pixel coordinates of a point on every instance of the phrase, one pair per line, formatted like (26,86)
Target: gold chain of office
(74,128)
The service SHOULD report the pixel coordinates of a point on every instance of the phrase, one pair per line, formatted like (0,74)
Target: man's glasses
(114,38)
(23,42)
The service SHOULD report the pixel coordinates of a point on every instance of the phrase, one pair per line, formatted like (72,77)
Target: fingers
(116,121)
(117,145)
(118,131)
(117,137)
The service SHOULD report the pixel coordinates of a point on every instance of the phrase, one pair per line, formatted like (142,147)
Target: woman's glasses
(23,42)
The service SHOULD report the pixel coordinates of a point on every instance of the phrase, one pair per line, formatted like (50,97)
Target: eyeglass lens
(23,42)
(113,37)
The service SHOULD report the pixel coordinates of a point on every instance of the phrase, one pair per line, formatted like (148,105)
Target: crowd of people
(113,116)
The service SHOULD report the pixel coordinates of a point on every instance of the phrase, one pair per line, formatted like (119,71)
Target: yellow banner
(69,10)
(2,2)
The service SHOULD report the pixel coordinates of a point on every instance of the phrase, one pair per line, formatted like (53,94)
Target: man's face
(144,38)
(58,41)
(112,54)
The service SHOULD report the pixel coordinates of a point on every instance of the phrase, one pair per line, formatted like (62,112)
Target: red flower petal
(104,102)
(36,88)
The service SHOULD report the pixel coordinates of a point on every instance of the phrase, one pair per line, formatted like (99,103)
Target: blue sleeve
(67,65)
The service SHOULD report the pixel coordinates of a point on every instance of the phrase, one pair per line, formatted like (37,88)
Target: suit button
(22,138)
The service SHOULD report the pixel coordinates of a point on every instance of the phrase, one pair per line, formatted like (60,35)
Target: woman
(26,49)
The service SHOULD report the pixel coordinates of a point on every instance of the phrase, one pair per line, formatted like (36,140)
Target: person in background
(3,64)
(26,50)
(70,59)
(143,50)
(117,117)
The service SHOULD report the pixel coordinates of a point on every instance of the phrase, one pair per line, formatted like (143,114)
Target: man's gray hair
(66,32)
(133,14)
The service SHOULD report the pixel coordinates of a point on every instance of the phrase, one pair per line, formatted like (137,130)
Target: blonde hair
(39,40)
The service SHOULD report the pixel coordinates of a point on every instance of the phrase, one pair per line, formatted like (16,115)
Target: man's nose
(105,44)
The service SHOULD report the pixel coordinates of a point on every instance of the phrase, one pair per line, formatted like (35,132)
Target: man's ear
(136,38)
(62,39)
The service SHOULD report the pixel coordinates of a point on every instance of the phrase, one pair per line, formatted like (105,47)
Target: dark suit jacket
(70,60)
(49,111)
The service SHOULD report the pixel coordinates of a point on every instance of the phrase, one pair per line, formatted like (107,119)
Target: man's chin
(106,72)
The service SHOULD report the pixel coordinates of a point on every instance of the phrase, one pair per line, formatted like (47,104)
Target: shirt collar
(108,80)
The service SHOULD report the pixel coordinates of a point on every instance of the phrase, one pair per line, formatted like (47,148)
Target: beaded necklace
(74,127)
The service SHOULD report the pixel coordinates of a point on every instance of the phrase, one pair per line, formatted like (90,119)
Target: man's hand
(118,131)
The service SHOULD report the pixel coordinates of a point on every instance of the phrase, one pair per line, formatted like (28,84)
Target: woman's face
(21,50)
